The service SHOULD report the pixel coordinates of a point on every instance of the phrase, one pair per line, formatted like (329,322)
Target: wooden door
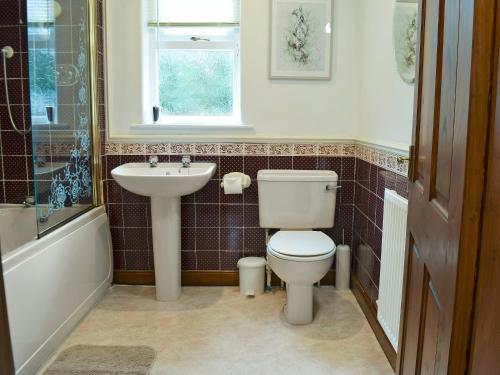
(447,170)
(485,345)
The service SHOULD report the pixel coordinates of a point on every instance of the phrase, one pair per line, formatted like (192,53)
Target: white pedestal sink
(165,184)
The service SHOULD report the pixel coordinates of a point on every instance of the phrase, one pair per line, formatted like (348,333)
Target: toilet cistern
(295,202)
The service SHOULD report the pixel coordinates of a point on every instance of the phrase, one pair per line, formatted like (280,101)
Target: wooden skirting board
(370,312)
(197,278)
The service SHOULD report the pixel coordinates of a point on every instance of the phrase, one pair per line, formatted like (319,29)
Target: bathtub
(17,227)
(52,282)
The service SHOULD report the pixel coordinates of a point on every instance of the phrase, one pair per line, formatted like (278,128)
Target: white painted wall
(276,109)
(386,100)
(365,100)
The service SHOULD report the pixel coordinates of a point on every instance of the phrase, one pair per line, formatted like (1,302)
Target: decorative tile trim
(179,149)
(382,158)
(231,149)
(158,149)
(55,149)
(305,149)
(372,154)
(330,149)
(112,149)
(256,149)
(207,149)
(281,149)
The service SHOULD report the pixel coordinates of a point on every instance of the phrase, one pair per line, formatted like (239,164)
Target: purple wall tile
(348,168)
(330,164)
(254,241)
(137,260)
(230,164)
(207,215)
(207,239)
(15,150)
(280,162)
(135,215)
(231,239)
(188,260)
(188,239)
(251,216)
(231,215)
(252,164)
(207,260)
(305,162)
(188,215)
(371,182)
(229,260)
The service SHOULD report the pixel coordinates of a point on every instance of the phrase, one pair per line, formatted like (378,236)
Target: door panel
(430,327)
(437,186)
(443,131)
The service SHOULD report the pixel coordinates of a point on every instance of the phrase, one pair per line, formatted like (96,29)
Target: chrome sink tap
(153,161)
(186,161)
(29,202)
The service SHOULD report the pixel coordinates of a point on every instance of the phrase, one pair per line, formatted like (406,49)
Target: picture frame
(301,39)
(405,31)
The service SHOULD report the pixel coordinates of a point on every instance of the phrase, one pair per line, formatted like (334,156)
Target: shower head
(8,51)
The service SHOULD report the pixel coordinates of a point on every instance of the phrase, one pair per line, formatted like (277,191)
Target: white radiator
(392,264)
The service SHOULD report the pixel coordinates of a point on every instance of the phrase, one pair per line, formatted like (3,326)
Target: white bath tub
(17,226)
(51,283)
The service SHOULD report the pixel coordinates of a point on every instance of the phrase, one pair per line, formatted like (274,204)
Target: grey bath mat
(103,360)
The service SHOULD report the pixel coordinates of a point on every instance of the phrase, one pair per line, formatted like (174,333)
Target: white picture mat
(320,67)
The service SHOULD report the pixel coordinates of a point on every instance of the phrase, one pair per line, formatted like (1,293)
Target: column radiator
(392,264)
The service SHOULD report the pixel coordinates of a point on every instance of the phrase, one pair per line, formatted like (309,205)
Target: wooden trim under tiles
(370,311)
(197,278)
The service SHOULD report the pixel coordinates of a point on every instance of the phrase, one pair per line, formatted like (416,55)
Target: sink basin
(165,180)
(165,184)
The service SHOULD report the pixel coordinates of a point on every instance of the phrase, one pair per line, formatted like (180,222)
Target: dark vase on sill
(156,113)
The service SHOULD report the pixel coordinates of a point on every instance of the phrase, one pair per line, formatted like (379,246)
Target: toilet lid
(301,243)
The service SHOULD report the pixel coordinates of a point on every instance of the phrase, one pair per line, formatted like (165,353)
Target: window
(194,61)
(42,60)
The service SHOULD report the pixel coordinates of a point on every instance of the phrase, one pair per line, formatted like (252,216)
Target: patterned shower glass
(58,54)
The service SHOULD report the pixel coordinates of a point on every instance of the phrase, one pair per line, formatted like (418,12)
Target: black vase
(50,114)
(156,113)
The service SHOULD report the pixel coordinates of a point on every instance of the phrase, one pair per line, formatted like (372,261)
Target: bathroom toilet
(296,202)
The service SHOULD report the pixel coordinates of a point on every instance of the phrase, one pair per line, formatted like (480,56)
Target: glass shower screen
(60,85)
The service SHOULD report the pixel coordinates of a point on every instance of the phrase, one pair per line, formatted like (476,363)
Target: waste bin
(252,275)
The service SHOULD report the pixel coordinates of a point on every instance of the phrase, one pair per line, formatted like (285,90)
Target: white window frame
(229,44)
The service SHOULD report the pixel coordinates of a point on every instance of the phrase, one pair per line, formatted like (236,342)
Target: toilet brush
(343,266)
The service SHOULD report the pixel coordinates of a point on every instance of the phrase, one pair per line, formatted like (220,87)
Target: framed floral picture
(405,38)
(301,39)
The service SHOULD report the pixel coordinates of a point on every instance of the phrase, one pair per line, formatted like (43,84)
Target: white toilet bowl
(300,258)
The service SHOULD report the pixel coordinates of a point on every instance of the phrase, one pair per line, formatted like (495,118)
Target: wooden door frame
(478,16)
(6,360)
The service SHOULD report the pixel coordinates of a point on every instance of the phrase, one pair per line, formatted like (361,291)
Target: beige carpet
(103,360)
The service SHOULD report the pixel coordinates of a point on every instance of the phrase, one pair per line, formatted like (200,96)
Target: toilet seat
(305,246)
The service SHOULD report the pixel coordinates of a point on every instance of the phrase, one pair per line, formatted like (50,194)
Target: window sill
(173,128)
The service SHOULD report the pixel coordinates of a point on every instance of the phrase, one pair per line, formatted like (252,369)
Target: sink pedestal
(166,222)
(165,184)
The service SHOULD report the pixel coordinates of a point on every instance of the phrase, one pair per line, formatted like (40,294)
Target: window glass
(196,82)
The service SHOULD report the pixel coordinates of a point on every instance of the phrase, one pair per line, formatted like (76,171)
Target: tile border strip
(379,156)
